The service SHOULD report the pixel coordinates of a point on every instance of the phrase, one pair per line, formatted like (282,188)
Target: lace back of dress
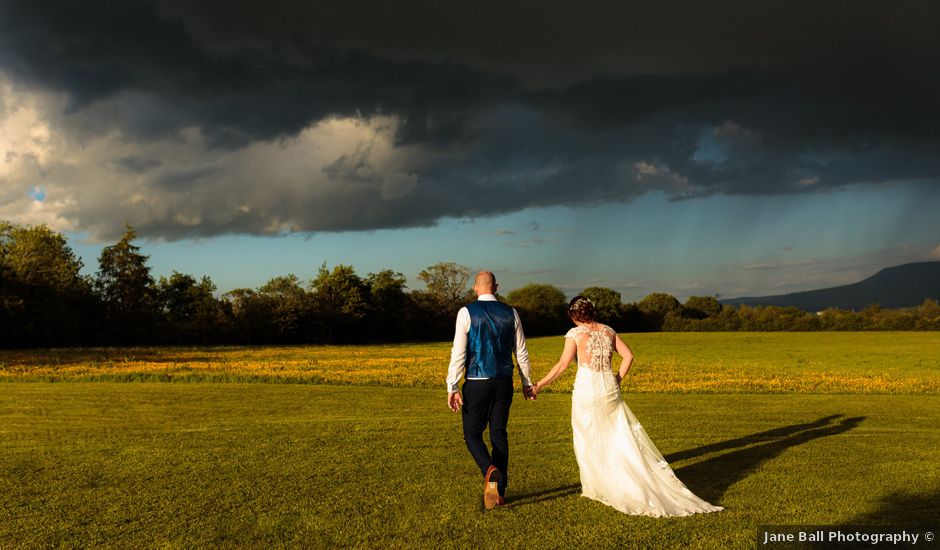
(599,348)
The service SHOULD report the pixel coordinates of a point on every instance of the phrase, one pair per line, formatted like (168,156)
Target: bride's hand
(618,378)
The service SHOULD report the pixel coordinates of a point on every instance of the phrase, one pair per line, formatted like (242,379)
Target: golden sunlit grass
(320,466)
(827,362)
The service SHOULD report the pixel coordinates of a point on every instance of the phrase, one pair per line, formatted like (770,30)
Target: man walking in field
(487,335)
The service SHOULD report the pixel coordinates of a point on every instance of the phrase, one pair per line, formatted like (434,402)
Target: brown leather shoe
(490,488)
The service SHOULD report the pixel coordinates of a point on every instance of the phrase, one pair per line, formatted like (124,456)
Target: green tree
(340,299)
(43,296)
(700,307)
(289,306)
(389,304)
(659,303)
(446,281)
(608,304)
(656,307)
(927,315)
(38,256)
(929,308)
(632,319)
(429,318)
(542,308)
(251,316)
(189,307)
(127,290)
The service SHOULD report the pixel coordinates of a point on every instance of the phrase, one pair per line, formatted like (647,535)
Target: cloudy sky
(689,147)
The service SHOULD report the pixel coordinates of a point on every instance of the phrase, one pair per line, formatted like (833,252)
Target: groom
(488,333)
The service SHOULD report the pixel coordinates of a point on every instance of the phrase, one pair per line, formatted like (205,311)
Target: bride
(619,464)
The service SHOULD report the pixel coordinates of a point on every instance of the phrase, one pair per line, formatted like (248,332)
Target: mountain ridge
(905,285)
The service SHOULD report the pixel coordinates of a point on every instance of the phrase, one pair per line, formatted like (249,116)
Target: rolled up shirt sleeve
(522,353)
(458,353)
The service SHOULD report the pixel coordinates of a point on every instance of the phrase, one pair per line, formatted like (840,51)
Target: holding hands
(530,392)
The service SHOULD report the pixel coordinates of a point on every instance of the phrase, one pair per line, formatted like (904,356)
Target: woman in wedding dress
(619,464)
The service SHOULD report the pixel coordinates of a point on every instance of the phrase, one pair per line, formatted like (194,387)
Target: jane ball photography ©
(407,274)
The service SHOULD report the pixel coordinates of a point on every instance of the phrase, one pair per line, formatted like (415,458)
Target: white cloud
(807,181)
(28,148)
(644,168)
(178,185)
(24,135)
(661,175)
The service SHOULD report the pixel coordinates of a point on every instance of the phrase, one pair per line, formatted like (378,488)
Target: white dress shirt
(458,354)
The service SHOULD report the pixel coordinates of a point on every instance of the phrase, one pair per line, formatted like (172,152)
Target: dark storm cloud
(137,164)
(93,51)
(522,104)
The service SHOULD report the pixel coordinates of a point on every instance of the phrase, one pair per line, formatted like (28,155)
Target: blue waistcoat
(490,340)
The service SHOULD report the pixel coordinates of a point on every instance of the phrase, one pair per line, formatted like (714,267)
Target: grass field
(738,362)
(779,428)
(193,465)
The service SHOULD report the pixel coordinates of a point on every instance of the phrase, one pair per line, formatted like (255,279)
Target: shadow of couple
(711,478)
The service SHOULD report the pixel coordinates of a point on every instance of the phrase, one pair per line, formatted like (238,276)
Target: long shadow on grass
(711,478)
(747,440)
(547,494)
(903,509)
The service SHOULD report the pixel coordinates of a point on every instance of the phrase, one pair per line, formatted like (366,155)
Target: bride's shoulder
(574,331)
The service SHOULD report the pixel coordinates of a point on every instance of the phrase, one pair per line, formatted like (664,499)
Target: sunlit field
(736,362)
(287,465)
(352,446)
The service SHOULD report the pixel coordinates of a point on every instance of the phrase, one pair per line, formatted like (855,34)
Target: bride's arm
(567,355)
(627,354)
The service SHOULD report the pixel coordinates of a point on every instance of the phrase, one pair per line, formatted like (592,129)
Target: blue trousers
(486,404)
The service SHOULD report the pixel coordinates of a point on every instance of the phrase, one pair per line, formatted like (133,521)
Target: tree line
(45,301)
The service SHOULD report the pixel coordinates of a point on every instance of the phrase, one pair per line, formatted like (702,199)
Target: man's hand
(529,392)
(454,401)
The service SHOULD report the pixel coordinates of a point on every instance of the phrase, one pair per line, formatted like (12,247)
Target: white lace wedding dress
(619,464)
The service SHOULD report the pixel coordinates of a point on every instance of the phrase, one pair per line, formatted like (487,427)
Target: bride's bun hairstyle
(581,310)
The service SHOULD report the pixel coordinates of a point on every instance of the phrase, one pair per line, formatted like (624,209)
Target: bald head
(484,283)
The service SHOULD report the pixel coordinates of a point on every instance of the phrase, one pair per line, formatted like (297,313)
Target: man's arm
(522,354)
(458,353)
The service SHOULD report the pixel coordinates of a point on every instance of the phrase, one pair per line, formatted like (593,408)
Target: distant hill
(900,286)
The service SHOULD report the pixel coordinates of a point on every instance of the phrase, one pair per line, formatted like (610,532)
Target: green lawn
(190,465)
